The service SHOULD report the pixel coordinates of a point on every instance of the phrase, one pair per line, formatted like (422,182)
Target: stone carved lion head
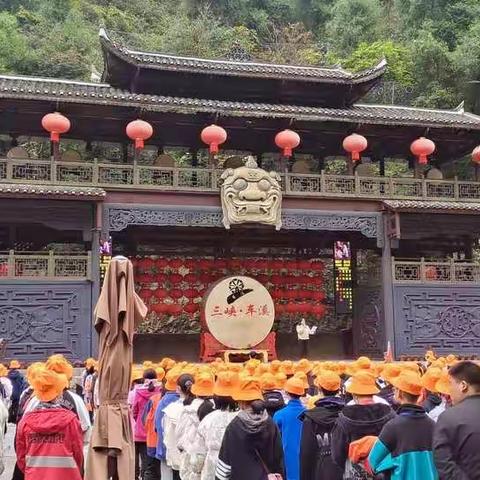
(251,195)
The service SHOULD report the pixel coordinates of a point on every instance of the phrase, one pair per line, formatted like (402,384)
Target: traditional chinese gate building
(412,236)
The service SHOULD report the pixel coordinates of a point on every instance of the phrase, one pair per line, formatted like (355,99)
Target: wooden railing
(136,177)
(445,272)
(45,265)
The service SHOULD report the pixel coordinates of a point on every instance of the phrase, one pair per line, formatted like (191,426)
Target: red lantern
(287,140)
(318,310)
(139,131)
(191,308)
(304,265)
(476,155)
(213,136)
(175,309)
(145,294)
(291,308)
(161,263)
(355,144)
(176,278)
(191,293)
(176,293)
(318,295)
(55,124)
(160,308)
(160,293)
(422,147)
(175,263)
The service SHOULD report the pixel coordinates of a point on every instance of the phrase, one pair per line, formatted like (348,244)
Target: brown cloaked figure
(118,313)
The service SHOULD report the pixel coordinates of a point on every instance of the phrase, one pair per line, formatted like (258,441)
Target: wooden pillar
(382,166)
(387,287)
(95,268)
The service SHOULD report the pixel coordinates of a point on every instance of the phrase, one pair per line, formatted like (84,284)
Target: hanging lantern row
(287,140)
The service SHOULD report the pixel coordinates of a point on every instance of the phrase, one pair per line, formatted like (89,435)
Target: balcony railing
(442,272)
(137,177)
(45,265)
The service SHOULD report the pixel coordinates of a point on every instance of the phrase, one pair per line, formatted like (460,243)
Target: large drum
(239,312)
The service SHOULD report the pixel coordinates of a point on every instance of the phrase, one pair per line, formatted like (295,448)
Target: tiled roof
(402,205)
(52,190)
(104,94)
(250,69)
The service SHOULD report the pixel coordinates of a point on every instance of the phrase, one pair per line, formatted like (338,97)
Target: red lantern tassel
(355,156)
(139,143)
(214,148)
(287,152)
(422,159)
(55,137)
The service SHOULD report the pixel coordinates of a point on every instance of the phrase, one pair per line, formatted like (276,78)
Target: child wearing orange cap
(212,428)
(49,442)
(290,426)
(273,397)
(251,447)
(19,384)
(315,459)
(404,446)
(363,418)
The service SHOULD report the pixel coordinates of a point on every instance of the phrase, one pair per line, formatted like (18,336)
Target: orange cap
(391,371)
(14,364)
(248,390)
(295,386)
(303,377)
(287,367)
(160,373)
(304,366)
(363,383)
(172,377)
(226,385)
(364,363)
(430,379)
(203,385)
(59,364)
(281,379)
(443,384)
(329,381)
(275,366)
(3,370)
(451,360)
(408,382)
(47,384)
(268,382)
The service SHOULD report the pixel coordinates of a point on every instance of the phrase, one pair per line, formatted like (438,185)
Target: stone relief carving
(36,319)
(119,217)
(250,194)
(445,319)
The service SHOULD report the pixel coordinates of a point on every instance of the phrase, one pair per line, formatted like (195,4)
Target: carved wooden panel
(39,319)
(446,319)
(368,322)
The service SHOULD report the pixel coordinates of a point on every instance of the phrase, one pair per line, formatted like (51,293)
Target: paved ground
(8,453)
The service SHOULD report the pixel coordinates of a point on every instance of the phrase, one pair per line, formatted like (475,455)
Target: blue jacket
(167,399)
(404,446)
(290,426)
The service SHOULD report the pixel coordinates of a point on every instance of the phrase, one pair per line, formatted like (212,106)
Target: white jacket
(186,432)
(207,443)
(3,424)
(171,415)
(7,387)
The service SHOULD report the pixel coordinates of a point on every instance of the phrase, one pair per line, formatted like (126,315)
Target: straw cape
(118,312)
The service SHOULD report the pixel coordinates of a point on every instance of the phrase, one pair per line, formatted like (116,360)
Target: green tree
(353,22)
(13,45)
(399,60)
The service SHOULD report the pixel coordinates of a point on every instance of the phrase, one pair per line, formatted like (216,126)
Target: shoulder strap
(264,465)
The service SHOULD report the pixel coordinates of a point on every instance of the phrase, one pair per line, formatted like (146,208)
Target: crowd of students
(258,421)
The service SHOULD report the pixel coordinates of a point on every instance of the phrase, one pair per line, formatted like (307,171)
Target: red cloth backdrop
(174,286)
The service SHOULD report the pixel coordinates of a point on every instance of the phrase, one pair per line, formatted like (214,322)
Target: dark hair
(225,403)
(329,393)
(91,370)
(467,372)
(410,398)
(185,382)
(257,406)
(150,374)
(294,395)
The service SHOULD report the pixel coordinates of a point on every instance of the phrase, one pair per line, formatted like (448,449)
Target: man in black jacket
(315,452)
(456,440)
(359,420)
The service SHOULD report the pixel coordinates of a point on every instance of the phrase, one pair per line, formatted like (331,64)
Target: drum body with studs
(239,312)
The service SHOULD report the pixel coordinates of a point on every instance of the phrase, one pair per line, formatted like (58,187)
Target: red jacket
(50,445)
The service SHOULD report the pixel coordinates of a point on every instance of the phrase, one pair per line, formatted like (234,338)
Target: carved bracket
(118,217)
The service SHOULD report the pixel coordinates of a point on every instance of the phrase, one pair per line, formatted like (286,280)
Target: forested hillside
(432,46)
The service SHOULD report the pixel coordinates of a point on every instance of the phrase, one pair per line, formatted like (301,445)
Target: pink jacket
(142,396)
